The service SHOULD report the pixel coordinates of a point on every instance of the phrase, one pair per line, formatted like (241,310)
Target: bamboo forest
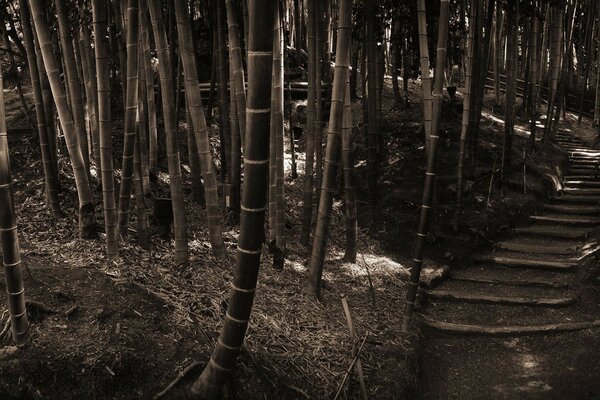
(300,199)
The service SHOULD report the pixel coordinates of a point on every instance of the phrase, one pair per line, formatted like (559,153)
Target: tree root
(179,377)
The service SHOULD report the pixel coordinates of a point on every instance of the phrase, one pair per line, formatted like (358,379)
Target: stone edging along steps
(534,269)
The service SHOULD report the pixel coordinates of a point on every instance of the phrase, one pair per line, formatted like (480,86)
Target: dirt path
(520,321)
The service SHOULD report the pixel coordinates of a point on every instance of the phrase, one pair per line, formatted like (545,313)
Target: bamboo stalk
(278,73)
(86,207)
(151,100)
(173,159)
(194,103)
(333,148)
(50,178)
(349,178)
(68,55)
(425,76)
(307,202)
(431,165)
(99,8)
(222,362)
(466,110)
(131,110)
(9,240)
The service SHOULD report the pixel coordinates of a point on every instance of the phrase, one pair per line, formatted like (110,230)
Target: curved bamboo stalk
(50,177)
(256,158)
(86,207)
(431,164)
(194,101)
(310,125)
(333,148)
(99,8)
(9,240)
(168,103)
(68,55)
(131,111)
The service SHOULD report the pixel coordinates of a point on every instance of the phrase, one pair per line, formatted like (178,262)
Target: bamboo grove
(90,60)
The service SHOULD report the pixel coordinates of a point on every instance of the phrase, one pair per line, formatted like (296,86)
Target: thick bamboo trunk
(131,111)
(194,102)
(9,240)
(334,146)
(256,162)
(105,127)
(50,177)
(86,206)
(173,159)
(431,164)
(310,125)
(74,86)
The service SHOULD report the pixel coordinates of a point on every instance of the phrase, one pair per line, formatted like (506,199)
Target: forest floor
(126,329)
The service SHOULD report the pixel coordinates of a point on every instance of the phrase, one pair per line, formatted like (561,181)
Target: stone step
(518,246)
(569,183)
(506,330)
(584,177)
(483,298)
(581,191)
(580,199)
(510,276)
(519,260)
(566,219)
(554,231)
(571,209)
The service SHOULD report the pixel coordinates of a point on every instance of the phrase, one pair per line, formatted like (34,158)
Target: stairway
(524,284)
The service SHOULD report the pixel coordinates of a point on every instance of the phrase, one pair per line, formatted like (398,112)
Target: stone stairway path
(520,292)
